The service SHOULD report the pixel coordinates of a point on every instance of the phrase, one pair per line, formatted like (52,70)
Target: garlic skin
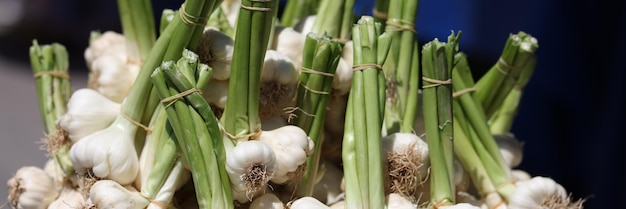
(397,201)
(267,201)
(510,148)
(216,50)
(69,198)
(88,111)
(216,93)
(292,146)
(110,194)
(110,153)
(307,203)
(530,194)
(112,77)
(108,41)
(246,156)
(31,188)
(289,42)
(280,68)
(342,81)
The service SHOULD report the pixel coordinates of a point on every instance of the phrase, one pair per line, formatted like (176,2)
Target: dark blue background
(573,109)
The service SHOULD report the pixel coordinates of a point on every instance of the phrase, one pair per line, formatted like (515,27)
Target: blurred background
(572,112)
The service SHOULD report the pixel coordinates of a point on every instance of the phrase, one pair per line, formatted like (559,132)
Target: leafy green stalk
(241,115)
(319,63)
(138,27)
(50,65)
(437,65)
(334,18)
(196,129)
(362,136)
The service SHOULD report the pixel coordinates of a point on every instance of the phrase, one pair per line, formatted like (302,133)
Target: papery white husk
(243,156)
(292,146)
(110,153)
(307,203)
(112,76)
(289,42)
(216,93)
(107,43)
(530,193)
(216,50)
(397,201)
(110,194)
(267,201)
(88,111)
(31,188)
(70,198)
(511,148)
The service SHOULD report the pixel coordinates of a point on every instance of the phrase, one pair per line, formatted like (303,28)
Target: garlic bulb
(289,42)
(520,175)
(250,166)
(338,205)
(110,194)
(342,81)
(108,41)
(510,148)
(407,162)
(69,198)
(307,203)
(216,50)
(305,24)
(279,84)
(110,153)
(398,201)
(88,111)
(267,201)
(216,92)
(112,77)
(292,146)
(31,187)
(540,192)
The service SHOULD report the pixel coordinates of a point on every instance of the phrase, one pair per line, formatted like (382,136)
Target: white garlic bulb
(70,198)
(110,194)
(308,203)
(250,166)
(216,93)
(88,111)
(292,146)
(397,201)
(510,148)
(216,50)
(532,193)
(31,188)
(289,42)
(267,201)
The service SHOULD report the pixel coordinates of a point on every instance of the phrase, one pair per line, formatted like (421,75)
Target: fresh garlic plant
(250,166)
(541,192)
(291,146)
(279,84)
(267,201)
(88,111)
(407,162)
(31,188)
(109,153)
(216,50)
(111,71)
(110,194)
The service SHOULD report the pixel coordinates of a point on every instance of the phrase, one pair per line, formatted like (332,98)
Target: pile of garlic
(264,172)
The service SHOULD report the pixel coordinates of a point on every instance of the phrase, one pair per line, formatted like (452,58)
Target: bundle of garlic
(233,106)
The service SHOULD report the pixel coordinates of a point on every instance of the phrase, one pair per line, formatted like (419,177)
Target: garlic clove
(88,111)
(31,188)
(111,76)
(110,194)
(291,146)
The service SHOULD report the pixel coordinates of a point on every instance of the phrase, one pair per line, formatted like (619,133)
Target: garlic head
(216,50)
(88,111)
(307,203)
(110,194)
(292,146)
(31,188)
(250,166)
(267,201)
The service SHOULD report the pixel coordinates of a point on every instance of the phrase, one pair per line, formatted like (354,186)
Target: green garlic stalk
(195,127)
(402,67)
(320,58)
(241,115)
(518,54)
(138,27)
(335,19)
(296,10)
(437,65)
(362,150)
(50,64)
